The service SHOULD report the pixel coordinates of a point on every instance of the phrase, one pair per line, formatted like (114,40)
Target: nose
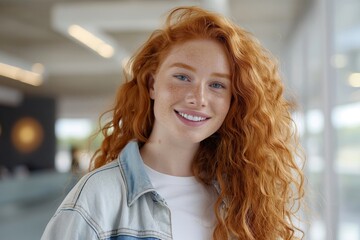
(197,95)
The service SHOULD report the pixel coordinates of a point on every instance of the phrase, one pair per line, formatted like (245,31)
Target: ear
(151,82)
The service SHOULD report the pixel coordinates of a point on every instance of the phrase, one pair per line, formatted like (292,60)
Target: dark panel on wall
(27,135)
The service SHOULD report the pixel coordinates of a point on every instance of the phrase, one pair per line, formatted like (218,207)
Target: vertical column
(330,176)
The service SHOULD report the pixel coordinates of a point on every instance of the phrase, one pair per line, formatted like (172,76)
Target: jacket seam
(134,233)
(90,222)
(79,190)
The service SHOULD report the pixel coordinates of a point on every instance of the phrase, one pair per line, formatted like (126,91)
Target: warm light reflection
(354,80)
(90,40)
(20,74)
(27,135)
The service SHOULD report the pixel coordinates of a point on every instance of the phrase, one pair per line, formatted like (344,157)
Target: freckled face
(191,92)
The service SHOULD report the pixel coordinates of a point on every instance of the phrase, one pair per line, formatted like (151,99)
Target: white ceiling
(35,31)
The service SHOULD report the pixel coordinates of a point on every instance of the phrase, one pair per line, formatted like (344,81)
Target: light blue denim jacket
(116,201)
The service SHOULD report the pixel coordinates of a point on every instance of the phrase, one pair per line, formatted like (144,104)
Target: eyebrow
(183,65)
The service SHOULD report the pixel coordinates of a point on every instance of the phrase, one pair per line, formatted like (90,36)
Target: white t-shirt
(191,205)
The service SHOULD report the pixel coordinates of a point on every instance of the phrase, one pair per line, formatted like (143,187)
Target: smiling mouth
(191,117)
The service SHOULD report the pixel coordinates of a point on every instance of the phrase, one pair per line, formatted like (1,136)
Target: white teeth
(191,117)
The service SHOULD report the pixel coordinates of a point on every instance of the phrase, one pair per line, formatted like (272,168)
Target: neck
(169,157)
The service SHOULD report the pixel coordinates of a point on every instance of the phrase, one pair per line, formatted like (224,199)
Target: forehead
(202,52)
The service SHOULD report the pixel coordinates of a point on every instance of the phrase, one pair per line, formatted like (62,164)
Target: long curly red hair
(252,157)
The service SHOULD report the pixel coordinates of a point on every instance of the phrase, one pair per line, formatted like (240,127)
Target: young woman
(201,144)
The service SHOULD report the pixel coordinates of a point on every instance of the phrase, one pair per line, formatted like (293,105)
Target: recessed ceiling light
(90,40)
(16,73)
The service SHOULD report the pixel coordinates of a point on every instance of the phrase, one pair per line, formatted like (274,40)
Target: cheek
(165,96)
(170,92)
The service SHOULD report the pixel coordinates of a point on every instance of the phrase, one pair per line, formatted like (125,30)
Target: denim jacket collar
(135,177)
(136,180)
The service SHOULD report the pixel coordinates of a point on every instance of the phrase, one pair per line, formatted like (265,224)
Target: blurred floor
(28,203)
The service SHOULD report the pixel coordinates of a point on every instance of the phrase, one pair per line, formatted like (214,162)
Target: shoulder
(95,187)
(91,206)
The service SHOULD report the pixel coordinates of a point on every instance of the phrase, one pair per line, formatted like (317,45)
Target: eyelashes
(217,85)
(182,77)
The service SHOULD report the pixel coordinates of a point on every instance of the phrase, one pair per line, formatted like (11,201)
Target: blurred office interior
(61,62)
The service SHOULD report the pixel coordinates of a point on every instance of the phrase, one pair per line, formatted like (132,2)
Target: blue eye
(217,85)
(182,77)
